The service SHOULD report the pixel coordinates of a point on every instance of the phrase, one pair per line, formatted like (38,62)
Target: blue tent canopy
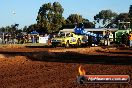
(34,33)
(84,32)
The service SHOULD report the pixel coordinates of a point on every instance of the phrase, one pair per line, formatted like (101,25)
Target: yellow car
(67,39)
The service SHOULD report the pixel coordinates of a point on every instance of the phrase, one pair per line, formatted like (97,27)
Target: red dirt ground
(22,67)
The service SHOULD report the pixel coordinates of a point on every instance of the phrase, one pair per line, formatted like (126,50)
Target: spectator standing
(125,38)
(130,39)
(90,40)
(106,37)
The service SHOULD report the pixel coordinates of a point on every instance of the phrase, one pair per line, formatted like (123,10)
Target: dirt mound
(58,68)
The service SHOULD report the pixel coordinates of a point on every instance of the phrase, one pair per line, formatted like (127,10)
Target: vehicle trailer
(92,37)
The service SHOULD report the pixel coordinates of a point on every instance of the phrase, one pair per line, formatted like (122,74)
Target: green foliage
(123,17)
(105,17)
(50,17)
(8,29)
(130,10)
(25,29)
(31,28)
(130,13)
(74,18)
(13,29)
(2,29)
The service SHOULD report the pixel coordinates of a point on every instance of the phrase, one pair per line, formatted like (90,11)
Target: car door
(72,39)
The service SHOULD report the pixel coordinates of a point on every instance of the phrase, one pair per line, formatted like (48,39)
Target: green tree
(88,24)
(74,18)
(130,13)
(130,10)
(8,29)
(25,29)
(123,17)
(18,31)
(50,17)
(105,17)
(2,29)
(32,27)
(77,19)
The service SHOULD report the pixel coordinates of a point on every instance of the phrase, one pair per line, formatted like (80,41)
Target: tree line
(50,20)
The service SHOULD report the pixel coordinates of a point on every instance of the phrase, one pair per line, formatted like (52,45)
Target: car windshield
(69,35)
(61,35)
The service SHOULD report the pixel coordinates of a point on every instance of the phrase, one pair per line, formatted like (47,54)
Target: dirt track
(22,67)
